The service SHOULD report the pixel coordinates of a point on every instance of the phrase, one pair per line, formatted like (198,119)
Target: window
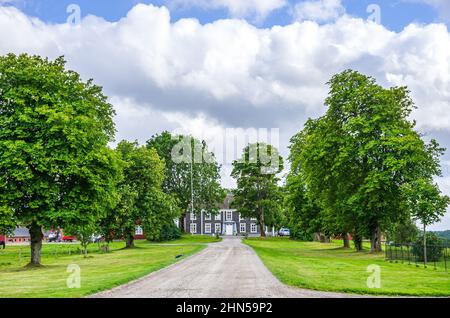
(253,219)
(240,217)
(253,228)
(193,216)
(242,228)
(218,216)
(229,215)
(207,216)
(217,228)
(193,228)
(207,228)
(138,230)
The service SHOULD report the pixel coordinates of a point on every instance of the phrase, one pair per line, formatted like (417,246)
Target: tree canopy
(55,165)
(356,158)
(180,154)
(258,194)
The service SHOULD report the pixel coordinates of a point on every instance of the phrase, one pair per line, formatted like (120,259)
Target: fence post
(409,255)
(445,257)
(401,250)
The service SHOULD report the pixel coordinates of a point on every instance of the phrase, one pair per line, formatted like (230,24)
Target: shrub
(168,232)
(434,248)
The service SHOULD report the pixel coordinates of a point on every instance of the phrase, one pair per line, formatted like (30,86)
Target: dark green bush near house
(169,232)
(434,248)
(300,235)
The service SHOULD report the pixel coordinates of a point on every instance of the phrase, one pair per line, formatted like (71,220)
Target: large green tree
(142,200)
(426,204)
(55,165)
(258,194)
(359,154)
(189,164)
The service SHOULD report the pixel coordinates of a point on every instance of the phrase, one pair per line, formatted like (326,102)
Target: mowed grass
(329,267)
(100,271)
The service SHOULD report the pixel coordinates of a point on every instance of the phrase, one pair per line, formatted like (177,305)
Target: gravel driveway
(228,269)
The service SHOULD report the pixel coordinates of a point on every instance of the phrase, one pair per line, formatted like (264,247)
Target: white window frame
(207,228)
(138,230)
(240,217)
(253,228)
(243,225)
(218,226)
(207,216)
(230,214)
(252,219)
(193,228)
(193,217)
(218,216)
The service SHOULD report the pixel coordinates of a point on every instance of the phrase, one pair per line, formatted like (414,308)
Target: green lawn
(331,268)
(99,271)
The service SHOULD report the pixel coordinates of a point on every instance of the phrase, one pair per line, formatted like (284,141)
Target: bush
(168,232)
(434,248)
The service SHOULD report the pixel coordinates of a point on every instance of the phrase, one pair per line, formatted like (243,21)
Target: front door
(229,229)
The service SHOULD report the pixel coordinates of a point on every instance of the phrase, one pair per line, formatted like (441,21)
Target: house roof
(21,232)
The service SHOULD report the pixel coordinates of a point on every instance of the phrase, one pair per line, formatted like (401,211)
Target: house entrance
(229,229)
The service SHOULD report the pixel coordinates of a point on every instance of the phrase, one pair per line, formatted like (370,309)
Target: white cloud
(257,9)
(318,10)
(231,74)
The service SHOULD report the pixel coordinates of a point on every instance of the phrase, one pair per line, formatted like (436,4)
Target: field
(98,272)
(329,267)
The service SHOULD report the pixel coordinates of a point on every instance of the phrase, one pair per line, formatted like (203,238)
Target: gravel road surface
(228,269)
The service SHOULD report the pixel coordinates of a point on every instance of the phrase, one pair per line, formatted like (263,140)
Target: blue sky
(395,14)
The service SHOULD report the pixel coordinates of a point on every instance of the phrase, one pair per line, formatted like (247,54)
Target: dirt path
(228,269)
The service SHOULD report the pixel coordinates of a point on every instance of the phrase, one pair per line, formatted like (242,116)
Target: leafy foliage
(356,158)
(179,154)
(55,166)
(433,250)
(257,194)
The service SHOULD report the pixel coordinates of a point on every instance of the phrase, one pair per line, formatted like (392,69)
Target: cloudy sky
(204,66)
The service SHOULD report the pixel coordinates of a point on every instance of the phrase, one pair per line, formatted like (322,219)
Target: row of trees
(362,168)
(57,169)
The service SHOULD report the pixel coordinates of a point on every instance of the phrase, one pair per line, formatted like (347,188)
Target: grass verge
(329,267)
(100,271)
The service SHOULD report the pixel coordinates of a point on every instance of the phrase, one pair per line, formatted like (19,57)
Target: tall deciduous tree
(257,194)
(55,165)
(184,155)
(426,204)
(359,154)
(142,199)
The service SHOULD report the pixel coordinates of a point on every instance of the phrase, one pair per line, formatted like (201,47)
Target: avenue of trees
(362,168)
(58,171)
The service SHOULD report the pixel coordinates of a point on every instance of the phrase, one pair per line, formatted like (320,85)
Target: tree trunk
(261,224)
(129,241)
(346,240)
(181,224)
(317,236)
(36,237)
(375,243)
(357,240)
(425,259)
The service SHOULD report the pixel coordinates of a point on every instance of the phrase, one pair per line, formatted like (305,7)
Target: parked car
(69,238)
(53,237)
(284,232)
(96,238)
